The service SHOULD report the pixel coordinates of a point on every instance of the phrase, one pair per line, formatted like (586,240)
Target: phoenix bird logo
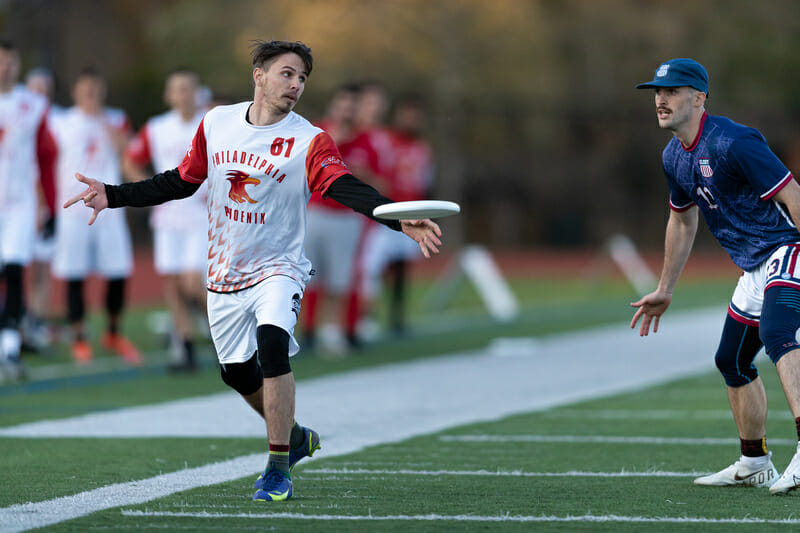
(238,180)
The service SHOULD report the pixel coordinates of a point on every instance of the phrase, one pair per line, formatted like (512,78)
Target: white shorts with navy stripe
(234,317)
(781,269)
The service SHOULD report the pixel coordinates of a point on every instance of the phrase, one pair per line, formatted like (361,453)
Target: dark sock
(797,425)
(298,436)
(188,350)
(753,448)
(278,457)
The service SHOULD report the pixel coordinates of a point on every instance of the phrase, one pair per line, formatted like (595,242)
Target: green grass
(40,469)
(325,487)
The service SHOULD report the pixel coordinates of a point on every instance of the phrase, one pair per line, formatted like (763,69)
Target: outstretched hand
(425,232)
(650,309)
(93,197)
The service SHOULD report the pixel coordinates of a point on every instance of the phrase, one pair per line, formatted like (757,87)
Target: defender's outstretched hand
(425,232)
(93,197)
(650,307)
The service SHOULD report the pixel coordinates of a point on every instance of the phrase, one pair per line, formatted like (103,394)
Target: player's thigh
(113,250)
(177,251)
(276,301)
(17,235)
(72,254)
(233,326)
(340,250)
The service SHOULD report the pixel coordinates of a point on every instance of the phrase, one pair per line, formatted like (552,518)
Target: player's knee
(738,347)
(779,338)
(273,350)
(780,321)
(245,378)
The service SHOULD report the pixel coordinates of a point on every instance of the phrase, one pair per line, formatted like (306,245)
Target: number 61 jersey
(259,181)
(733,177)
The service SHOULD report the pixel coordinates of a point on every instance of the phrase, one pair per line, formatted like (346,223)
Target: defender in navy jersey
(751,204)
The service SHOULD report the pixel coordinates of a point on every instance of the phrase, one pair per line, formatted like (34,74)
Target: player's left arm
(789,196)
(363,198)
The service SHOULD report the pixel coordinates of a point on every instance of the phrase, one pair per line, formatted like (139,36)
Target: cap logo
(662,71)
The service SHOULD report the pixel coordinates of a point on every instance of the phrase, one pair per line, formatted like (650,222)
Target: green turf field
(624,462)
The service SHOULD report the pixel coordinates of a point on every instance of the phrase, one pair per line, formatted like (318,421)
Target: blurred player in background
(35,332)
(751,204)
(371,156)
(411,179)
(91,138)
(180,227)
(27,151)
(332,242)
(262,162)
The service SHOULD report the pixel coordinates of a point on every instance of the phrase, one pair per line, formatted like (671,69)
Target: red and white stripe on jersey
(259,182)
(163,142)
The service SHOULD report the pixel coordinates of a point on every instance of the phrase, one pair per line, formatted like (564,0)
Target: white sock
(754,461)
(10,344)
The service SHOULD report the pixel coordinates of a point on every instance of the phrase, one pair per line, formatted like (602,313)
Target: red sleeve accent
(323,163)
(46,152)
(194,167)
(138,149)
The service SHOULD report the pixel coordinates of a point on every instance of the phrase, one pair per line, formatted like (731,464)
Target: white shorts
(234,317)
(332,238)
(782,268)
(17,234)
(103,248)
(382,246)
(177,251)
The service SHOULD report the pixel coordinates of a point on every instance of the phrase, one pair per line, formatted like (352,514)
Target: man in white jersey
(27,151)
(180,234)
(261,162)
(36,334)
(91,137)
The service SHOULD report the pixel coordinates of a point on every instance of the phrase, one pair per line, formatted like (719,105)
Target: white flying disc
(416,209)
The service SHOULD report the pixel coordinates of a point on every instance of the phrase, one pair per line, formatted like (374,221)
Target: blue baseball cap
(680,72)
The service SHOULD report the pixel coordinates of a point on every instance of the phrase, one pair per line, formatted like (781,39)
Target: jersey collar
(699,134)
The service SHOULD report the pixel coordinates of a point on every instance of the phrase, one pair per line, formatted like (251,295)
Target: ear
(700,98)
(258,76)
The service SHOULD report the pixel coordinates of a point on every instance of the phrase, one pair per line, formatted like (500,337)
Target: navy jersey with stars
(730,173)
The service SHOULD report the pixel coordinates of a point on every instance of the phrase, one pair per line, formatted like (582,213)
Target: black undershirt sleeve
(157,190)
(360,197)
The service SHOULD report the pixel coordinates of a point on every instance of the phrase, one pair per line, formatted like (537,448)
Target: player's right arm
(681,230)
(170,185)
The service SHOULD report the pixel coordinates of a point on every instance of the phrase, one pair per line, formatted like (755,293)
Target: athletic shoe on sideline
(790,480)
(276,486)
(122,347)
(12,370)
(82,352)
(306,449)
(740,474)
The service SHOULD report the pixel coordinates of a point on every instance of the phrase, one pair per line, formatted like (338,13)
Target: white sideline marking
(398,401)
(513,473)
(472,518)
(654,414)
(604,439)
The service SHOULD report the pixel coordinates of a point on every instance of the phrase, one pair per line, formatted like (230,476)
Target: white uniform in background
(85,145)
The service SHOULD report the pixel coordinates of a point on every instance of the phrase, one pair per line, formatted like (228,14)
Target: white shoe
(740,473)
(790,480)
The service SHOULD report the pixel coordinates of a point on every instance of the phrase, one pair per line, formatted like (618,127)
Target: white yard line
(487,473)
(469,518)
(577,439)
(394,402)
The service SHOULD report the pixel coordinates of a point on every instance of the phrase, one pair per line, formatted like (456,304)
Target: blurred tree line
(537,127)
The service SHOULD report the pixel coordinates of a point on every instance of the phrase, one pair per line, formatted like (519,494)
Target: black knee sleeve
(273,350)
(245,378)
(115,296)
(75,304)
(780,320)
(737,348)
(12,312)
